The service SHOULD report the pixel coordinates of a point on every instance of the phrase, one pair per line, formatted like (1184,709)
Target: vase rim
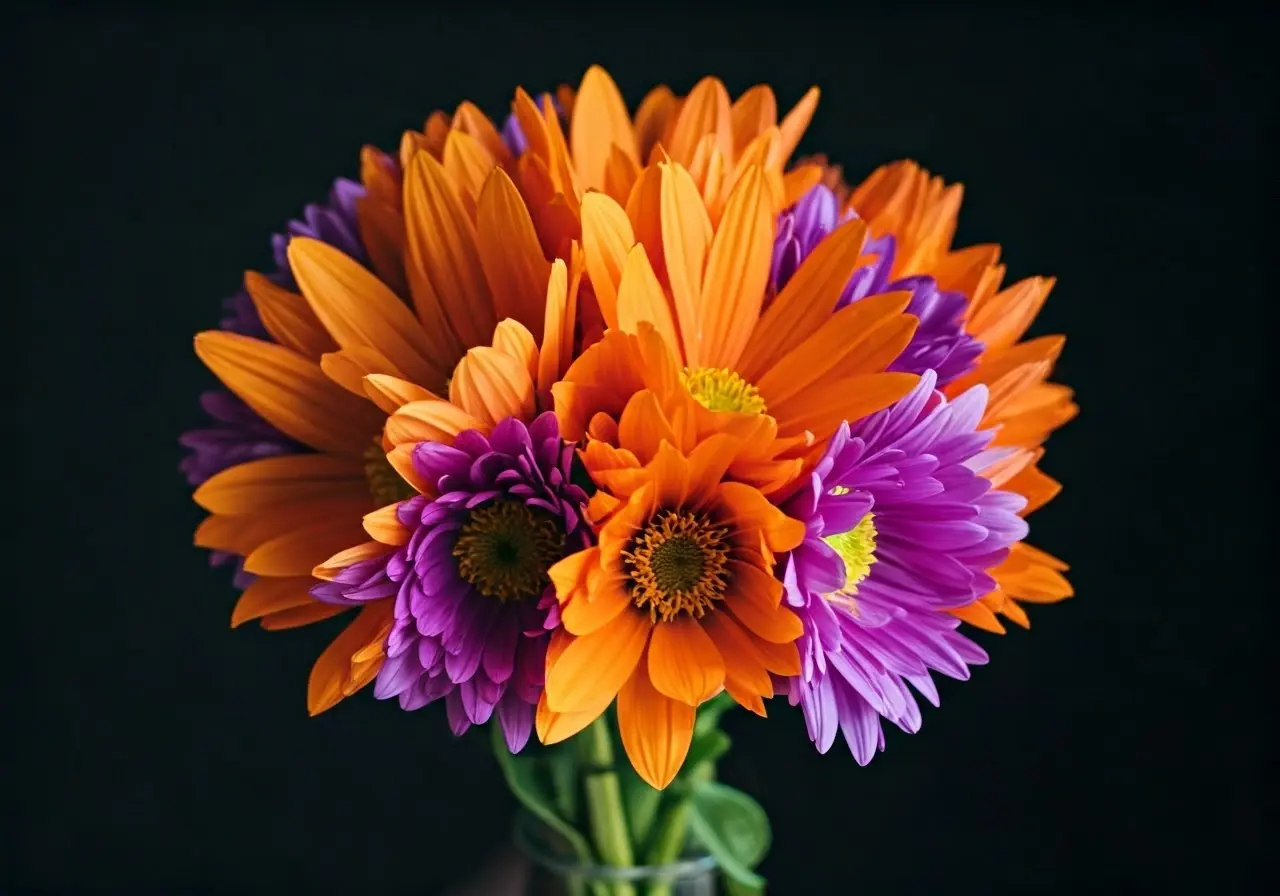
(689,867)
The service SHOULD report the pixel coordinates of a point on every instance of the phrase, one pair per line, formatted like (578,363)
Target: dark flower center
(505,548)
(678,563)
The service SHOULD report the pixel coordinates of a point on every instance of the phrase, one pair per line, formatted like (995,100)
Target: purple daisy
(473,604)
(900,529)
(940,342)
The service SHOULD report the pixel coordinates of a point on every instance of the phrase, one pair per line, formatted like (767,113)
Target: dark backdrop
(1121,742)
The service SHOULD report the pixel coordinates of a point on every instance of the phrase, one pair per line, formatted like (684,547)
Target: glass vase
(556,872)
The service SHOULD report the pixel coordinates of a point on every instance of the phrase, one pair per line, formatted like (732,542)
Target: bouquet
(594,425)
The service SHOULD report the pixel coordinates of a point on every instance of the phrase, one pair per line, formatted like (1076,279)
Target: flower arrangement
(596,424)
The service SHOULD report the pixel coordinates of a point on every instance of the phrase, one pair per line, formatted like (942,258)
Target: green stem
(668,842)
(608,819)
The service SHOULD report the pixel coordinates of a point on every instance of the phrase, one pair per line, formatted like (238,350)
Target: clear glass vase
(555,872)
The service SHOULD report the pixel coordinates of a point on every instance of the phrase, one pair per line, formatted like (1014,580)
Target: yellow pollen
(678,563)
(857,548)
(720,389)
(385,484)
(505,549)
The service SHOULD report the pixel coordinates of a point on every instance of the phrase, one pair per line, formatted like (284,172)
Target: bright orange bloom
(678,598)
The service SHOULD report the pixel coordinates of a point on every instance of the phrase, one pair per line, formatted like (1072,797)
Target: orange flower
(678,598)
(794,367)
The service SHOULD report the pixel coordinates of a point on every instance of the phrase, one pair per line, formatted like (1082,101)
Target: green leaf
(562,764)
(525,783)
(705,750)
(710,712)
(734,828)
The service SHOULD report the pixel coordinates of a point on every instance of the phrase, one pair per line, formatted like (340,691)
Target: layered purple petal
(869,646)
(483,655)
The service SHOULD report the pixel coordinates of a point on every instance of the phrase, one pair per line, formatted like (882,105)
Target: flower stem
(668,842)
(608,819)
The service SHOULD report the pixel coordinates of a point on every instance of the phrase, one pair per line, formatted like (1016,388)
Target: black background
(1120,742)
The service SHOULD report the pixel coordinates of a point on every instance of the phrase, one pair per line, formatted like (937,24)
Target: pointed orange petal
(570,573)
(288,318)
(391,393)
(1006,317)
(753,599)
(751,511)
(737,272)
(684,663)
(430,421)
(510,253)
(979,616)
(296,553)
(468,119)
(1034,485)
(686,234)
(329,569)
(798,181)
(652,115)
(468,165)
(644,209)
(289,392)
(752,114)
(620,175)
(442,256)
(382,232)
(296,617)
(656,730)
(864,337)
(640,298)
(278,480)
(350,366)
(358,310)
(600,122)
(492,386)
(268,595)
(554,727)
(400,457)
(514,339)
(596,666)
(825,405)
(706,110)
(606,239)
(243,533)
(744,667)
(331,675)
(384,526)
(797,121)
(588,613)
(549,356)
(806,301)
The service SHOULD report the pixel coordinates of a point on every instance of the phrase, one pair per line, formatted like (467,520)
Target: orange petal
(328,569)
(331,675)
(468,165)
(824,406)
(569,574)
(595,666)
(706,110)
(448,284)
(549,357)
(288,318)
(606,239)
(644,209)
(797,121)
(753,598)
(510,253)
(686,234)
(652,115)
(979,616)
(656,730)
(391,393)
(864,337)
(358,310)
(600,122)
(384,526)
(744,668)
(799,181)
(400,457)
(430,421)
(590,612)
(315,611)
(512,338)
(268,595)
(752,114)
(242,533)
(750,511)
(279,480)
(492,385)
(468,119)
(640,298)
(349,366)
(737,272)
(807,300)
(289,392)
(684,663)
(382,231)
(620,175)
(554,727)
(296,552)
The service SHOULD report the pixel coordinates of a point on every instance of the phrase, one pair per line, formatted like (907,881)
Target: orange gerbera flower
(702,289)
(678,598)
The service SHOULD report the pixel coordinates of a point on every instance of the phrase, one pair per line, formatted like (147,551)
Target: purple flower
(900,529)
(512,134)
(473,604)
(940,343)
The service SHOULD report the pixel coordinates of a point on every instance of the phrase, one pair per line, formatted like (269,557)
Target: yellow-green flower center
(857,548)
(385,484)
(720,389)
(504,549)
(678,563)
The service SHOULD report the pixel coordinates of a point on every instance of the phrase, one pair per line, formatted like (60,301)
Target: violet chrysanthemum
(940,342)
(473,603)
(899,529)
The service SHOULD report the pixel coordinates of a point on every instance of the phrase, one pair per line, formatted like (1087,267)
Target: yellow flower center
(857,548)
(720,389)
(504,549)
(678,563)
(385,484)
